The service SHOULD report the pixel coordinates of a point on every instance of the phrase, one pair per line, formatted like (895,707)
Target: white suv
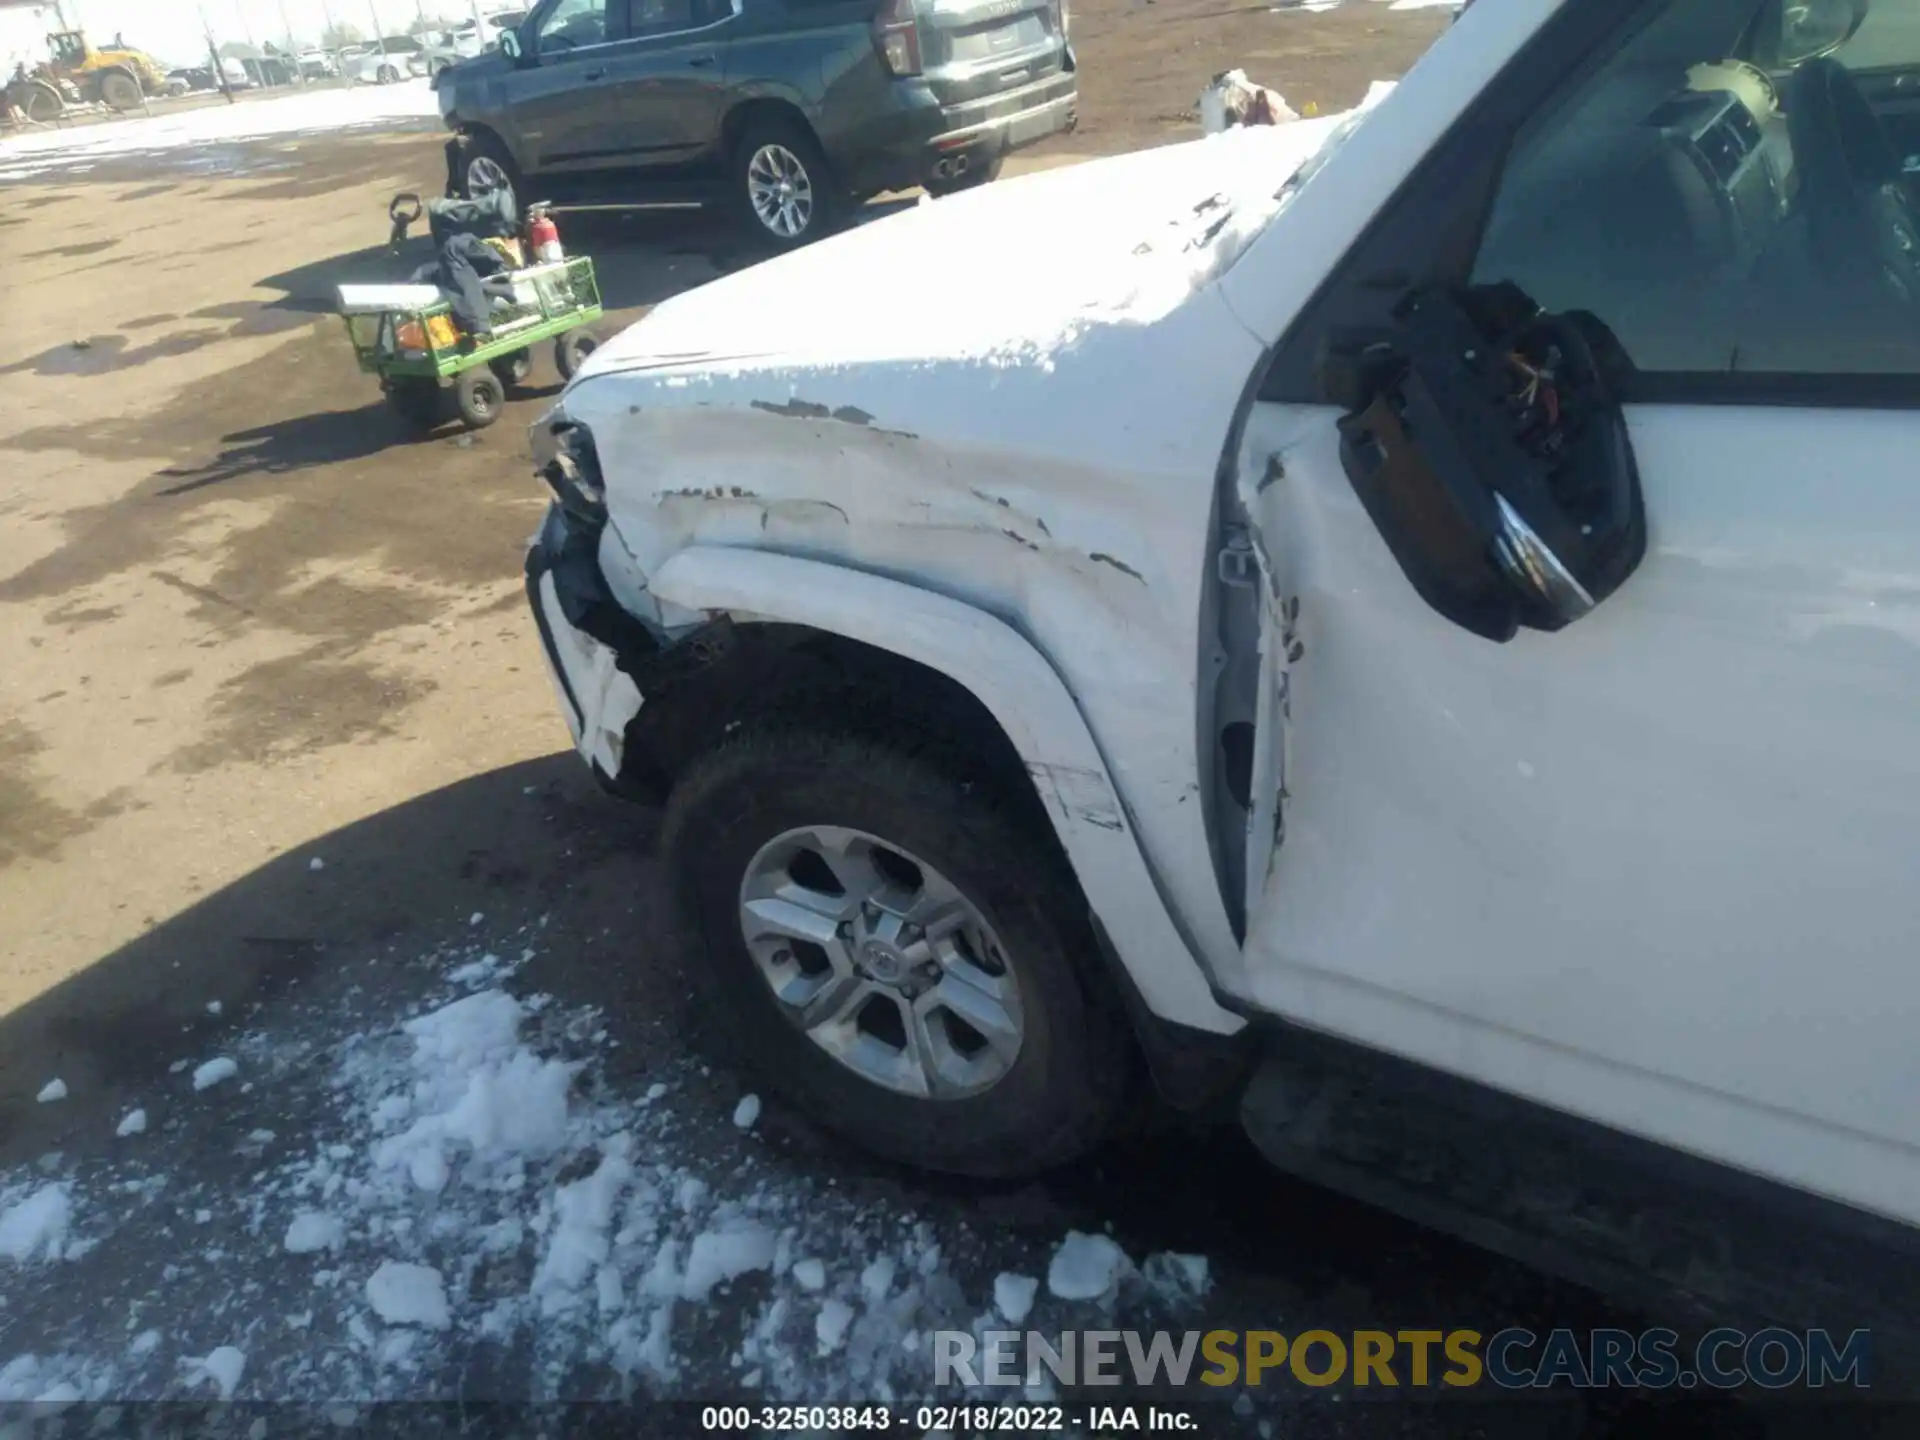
(1408,623)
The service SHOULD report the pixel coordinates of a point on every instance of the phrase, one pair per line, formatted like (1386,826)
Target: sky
(171,30)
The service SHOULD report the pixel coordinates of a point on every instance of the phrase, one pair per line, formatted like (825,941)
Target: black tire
(513,369)
(1070,1079)
(973,179)
(420,403)
(43,103)
(120,91)
(386,74)
(475,156)
(778,142)
(571,350)
(479,396)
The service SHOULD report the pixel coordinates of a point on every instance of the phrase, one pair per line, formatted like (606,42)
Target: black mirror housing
(1485,442)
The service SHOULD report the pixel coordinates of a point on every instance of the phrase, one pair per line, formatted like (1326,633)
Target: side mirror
(510,45)
(1484,440)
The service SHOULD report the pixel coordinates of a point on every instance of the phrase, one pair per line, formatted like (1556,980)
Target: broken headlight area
(569,465)
(567,548)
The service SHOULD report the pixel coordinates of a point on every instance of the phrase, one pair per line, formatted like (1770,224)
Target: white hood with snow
(1017,266)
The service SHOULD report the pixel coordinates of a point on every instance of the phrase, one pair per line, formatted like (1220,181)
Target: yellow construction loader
(78,73)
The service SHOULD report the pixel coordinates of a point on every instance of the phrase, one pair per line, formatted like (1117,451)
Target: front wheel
(571,350)
(891,942)
(386,75)
(780,187)
(120,91)
(479,396)
(481,165)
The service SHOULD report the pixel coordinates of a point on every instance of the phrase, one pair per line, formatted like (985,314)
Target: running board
(1647,1226)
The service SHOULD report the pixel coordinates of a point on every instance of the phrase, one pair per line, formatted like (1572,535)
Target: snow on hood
(1021,266)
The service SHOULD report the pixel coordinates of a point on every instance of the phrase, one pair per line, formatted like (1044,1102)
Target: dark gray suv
(785,111)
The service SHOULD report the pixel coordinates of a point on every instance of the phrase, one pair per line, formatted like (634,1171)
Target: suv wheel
(482,166)
(386,75)
(780,184)
(893,948)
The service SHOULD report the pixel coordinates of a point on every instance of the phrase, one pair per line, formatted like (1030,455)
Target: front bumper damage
(591,643)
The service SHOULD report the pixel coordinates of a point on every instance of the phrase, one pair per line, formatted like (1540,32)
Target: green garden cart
(406,334)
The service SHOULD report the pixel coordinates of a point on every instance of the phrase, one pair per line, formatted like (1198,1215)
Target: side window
(1726,197)
(664,17)
(1888,39)
(573,23)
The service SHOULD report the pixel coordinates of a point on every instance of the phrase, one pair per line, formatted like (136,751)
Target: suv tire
(1044,1093)
(771,154)
(482,162)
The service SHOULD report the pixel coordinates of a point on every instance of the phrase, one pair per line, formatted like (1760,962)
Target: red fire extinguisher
(543,235)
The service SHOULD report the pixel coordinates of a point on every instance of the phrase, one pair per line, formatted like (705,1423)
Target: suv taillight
(896,35)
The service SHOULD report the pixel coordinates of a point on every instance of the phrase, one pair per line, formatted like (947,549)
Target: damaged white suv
(1407,624)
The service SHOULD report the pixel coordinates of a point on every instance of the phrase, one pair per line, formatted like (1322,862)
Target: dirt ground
(244,607)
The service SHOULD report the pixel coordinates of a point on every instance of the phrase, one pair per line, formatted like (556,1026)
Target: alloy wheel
(882,962)
(486,175)
(780,190)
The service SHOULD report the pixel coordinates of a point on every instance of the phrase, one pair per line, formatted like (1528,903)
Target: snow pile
(402,1294)
(133,1123)
(54,1089)
(213,1072)
(367,106)
(467,1192)
(35,1228)
(1087,1267)
(312,1230)
(221,1367)
(1013,1296)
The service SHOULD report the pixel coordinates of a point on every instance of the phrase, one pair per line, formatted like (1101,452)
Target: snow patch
(746,1112)
(36,1227)
(213,1072)
(134,1122)
(1013,1296)
(54,1089)
(403,1294)
(223,1366)
(719,1255)
(313,1230)
(1087,1267)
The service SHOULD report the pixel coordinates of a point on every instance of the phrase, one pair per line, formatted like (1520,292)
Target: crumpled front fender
(1024,694)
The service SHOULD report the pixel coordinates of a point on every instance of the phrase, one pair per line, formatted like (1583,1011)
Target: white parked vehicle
(394,59)
(450,47)
(1406,621)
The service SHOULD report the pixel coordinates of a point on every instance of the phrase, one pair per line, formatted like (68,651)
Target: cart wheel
(416,401)
(479,394)
(571,350)
(513,369)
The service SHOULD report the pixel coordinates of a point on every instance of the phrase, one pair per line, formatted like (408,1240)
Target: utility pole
(293,46)
(379,35)
(213,54)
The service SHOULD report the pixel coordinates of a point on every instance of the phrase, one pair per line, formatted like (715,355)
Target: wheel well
(742,674)
(724,676)
(763,108)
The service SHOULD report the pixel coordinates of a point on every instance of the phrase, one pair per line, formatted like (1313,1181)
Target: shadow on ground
(534,838)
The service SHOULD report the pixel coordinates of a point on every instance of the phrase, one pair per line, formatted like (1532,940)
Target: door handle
(700,60)
(594,75)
